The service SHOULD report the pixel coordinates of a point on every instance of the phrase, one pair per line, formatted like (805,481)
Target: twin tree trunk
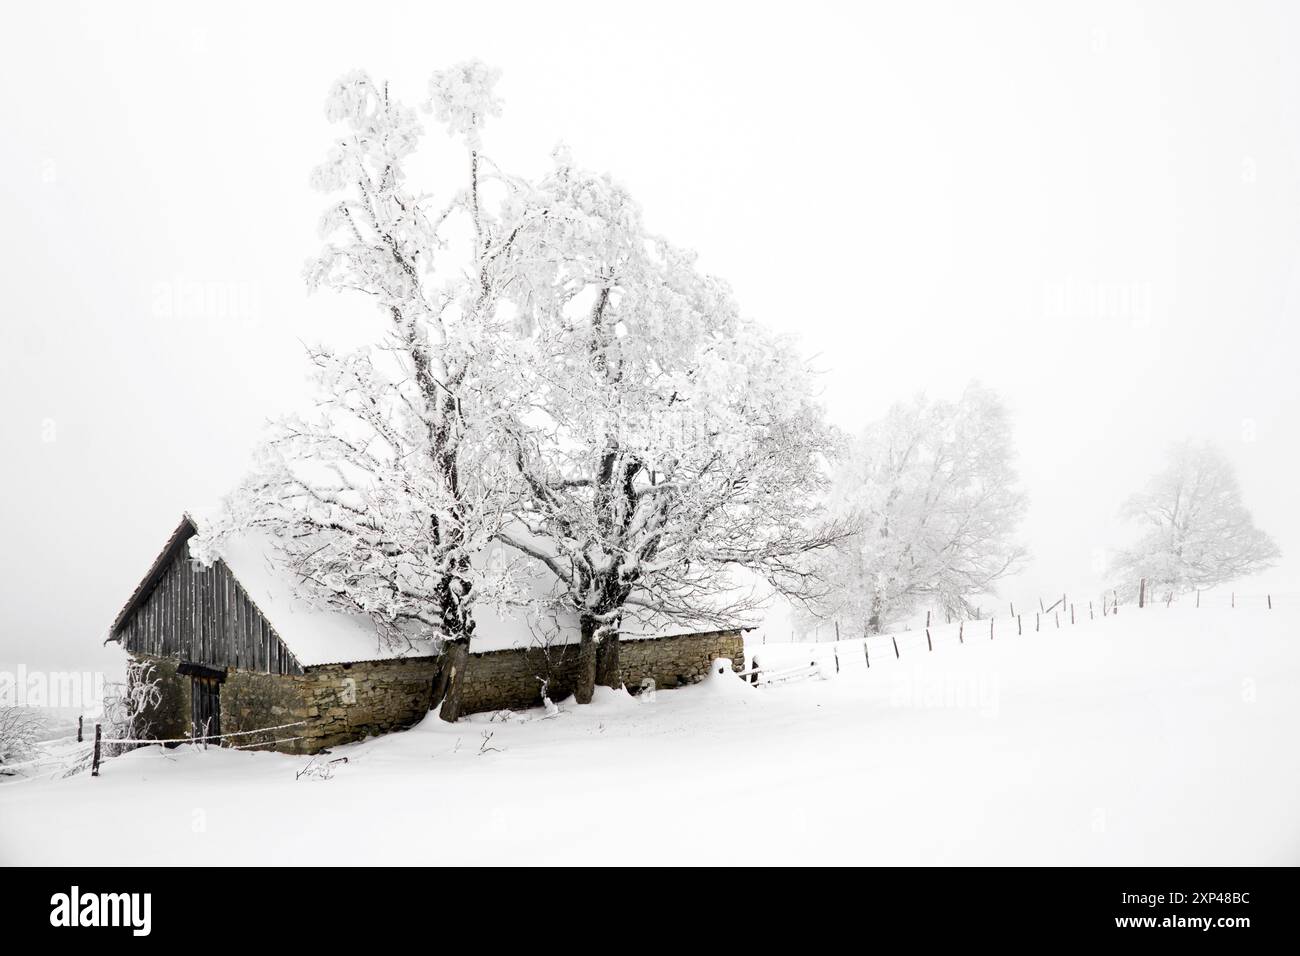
(450,684)
(458,627)
(598,660)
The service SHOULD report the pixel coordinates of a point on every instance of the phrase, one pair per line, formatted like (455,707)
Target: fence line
(199,738)
(1110,604)
(1059,608)
(100,740)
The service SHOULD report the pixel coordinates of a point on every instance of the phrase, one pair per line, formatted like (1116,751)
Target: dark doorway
(205,699)
(205,706)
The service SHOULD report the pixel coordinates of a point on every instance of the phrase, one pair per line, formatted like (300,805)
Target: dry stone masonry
(339,703)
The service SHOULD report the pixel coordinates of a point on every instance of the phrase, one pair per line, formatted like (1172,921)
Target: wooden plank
(189,612)
(204,630)
(185,633)
(218,608)
(249,629)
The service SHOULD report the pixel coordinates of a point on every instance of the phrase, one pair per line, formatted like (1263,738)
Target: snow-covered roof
(316,634)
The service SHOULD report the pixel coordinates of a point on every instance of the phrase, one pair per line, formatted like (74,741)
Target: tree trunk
(585,680)
(874,621)
(608,673)
(457,662)
(449,689)
(458,628)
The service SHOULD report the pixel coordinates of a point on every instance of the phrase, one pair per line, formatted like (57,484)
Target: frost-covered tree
(552,376)
(661,441)
(380,498)
(18,729)
(128,706)
(1197,533)
(934,495)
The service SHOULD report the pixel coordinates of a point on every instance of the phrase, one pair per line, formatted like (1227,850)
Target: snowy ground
(1158,737)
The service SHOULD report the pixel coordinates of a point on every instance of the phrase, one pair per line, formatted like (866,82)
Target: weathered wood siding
(203,615)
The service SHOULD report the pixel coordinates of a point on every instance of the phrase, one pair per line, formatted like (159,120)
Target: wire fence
(201,738)
(780,663)
(1086,607)
(70,755)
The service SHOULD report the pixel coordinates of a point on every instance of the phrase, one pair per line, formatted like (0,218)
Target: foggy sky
(1095,211)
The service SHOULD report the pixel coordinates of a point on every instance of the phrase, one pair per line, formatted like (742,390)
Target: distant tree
(18,729)
(1197,531)
(934,496)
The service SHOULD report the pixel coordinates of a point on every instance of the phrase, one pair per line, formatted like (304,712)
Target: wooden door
(205,707)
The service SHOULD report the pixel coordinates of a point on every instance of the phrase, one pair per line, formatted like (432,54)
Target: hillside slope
(1162,736)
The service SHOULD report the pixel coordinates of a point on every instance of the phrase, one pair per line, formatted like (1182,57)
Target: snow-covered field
(1161,736)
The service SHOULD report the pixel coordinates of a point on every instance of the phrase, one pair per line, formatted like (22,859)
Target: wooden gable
(184,611)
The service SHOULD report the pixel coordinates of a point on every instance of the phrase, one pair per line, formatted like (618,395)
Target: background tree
(380,499)
(660,441)
(19,727)
(1197,533)
(933,494)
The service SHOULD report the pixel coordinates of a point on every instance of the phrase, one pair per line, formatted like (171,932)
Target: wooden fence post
(1071,613)
(837,633)
(1019,628)
(94,764)
(1090,617)
(1198,597)
(1234,598)
(79,720)
(1013,608)
(961,626)
(990,629)
(895,640)
(1270,602)
(866,653)
(928,643)
(1142,593)
(1038,623)
(1057,615)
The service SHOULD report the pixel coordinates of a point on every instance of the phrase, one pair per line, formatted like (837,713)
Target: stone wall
(512,679)
(171,718)
(339,703)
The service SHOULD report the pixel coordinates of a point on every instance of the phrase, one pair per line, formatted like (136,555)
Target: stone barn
(237,649)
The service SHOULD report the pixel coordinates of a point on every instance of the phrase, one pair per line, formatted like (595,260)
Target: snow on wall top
(545,620)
